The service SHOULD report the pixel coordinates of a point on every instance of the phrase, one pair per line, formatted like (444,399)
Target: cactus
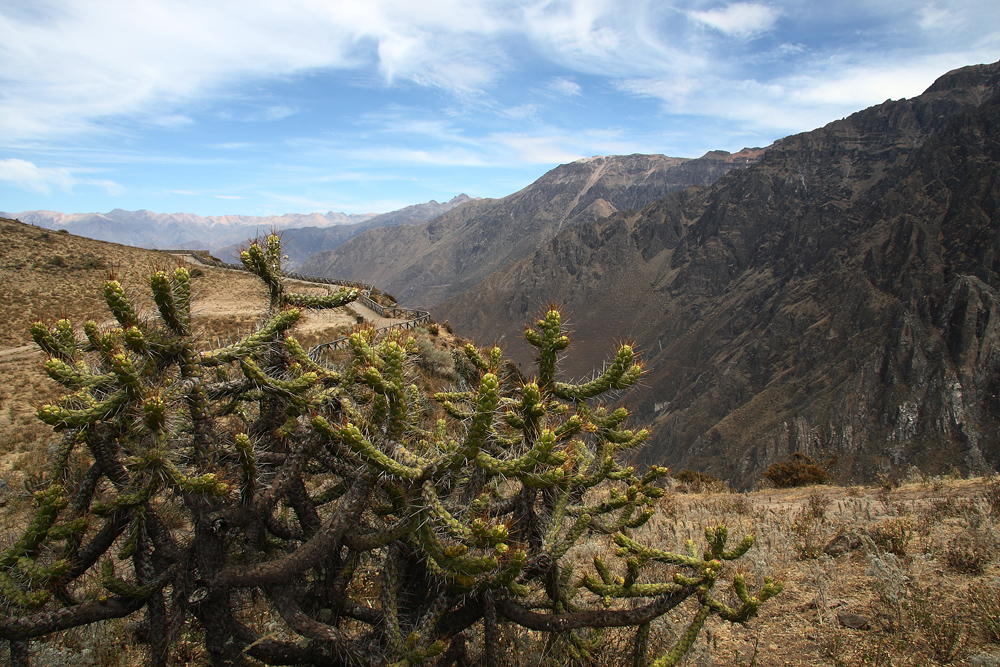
(379,532)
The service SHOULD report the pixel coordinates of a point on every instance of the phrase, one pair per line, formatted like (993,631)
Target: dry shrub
(447,327)
(941,624)
(798,470)
(733,503)
(984,602)
(811,534)
(992,496)
(433,328)
(892,535)
(816,505)
(692,481)
(889,580)
(968,552)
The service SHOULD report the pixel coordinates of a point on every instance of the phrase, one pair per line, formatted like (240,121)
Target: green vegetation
(262,506)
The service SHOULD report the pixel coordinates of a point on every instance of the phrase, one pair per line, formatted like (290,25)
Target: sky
(258,107)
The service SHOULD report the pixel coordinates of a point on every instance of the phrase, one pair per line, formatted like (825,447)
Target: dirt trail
(249,301)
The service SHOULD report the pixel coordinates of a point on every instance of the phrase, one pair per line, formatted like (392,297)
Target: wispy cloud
(740,19)
(70,68)
(26,175)
(562,86)
(168,94)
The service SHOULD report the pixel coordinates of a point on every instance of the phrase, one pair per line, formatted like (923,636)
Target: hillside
(839,298)
(426,264)
(299,243)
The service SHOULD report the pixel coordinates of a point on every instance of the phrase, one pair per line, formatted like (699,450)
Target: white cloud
(537,150)
(563,86)
(520,112)
(66,65)
(111,187)
(70,69)
(822,92)
(262,115)
(740,19)
(26,175)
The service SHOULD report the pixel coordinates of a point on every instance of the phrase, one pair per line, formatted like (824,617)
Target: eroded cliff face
(425,264)
(839,298)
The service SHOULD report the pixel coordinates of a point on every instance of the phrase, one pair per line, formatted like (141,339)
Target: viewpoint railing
(411,317)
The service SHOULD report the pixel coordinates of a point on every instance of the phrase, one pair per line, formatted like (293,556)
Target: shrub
(693,481)
(892,536)
(433,328)
(984,601)
(250,476)
(798,470)
(992,496)
(968,552)
(447,327)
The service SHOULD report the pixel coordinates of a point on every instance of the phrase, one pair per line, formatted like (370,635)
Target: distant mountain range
(840,298)
(424,264)
(306,233)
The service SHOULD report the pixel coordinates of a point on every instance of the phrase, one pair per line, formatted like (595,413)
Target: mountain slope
(425,264)
(839,298)
(299,243)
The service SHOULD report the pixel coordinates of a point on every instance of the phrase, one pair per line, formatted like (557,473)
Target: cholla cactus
(380,529)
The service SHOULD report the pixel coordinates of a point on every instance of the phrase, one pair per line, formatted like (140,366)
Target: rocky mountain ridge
(425,264)
(223,234)
(839,298)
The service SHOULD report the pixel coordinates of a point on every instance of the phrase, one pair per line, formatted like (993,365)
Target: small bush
(816,505)
(63,231)
(447,327)
(967,553)
(984,601)
(943,629)
(433,328)
(892,536)
(434,360)
(56,261)
(798,470)
(692,481)
(992,496)
(811,536)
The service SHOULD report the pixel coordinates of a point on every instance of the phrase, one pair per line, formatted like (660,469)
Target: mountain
(425,264)
(146,229)
(304,233)
(839,298)
(301,242)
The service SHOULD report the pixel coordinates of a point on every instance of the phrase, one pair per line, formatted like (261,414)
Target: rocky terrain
(425,264)
(839,298)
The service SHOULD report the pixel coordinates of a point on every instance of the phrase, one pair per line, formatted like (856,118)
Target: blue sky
(263,107)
